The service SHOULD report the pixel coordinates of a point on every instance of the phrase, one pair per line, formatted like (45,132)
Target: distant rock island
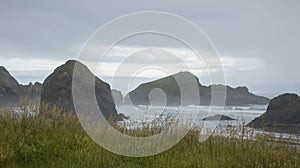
(282,115)
(57,90)
(117,96)
(217,117)
(11,92)
(239,96)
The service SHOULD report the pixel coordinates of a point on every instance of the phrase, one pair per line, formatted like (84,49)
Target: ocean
(139,116)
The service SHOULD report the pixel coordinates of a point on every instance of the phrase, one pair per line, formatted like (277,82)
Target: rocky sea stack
(8,89)
(239,96)
(282,115)
(33,91)
(11,92)
(217,117)
(169,85)
(57,90)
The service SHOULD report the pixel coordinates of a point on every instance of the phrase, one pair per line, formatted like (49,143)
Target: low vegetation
(58,140)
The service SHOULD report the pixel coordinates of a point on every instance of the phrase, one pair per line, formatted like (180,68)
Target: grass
(57,140)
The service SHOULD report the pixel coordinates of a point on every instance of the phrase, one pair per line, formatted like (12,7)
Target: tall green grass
(56,139)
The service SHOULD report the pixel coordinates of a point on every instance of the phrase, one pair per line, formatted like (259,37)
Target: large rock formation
(31,92)
(57,90)
(282,115)
(8,97)
(235,96)
(8,89)
(11,92)
(7,80)
(169,85)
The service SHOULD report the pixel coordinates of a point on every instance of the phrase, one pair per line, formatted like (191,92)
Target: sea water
(139,116)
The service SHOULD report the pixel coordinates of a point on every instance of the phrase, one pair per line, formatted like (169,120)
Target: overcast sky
(258,41)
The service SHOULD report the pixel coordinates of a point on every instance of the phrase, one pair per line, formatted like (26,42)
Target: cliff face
(11,92)
(32,92)
(8,89)
(7,80)
(57,90)
(282,115)
(235,96)
(8,97)
(117,96)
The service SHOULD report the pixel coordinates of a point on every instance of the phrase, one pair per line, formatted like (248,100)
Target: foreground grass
(57,140)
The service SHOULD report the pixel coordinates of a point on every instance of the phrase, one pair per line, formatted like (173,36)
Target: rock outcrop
(117,97)
(6,79)
(11,92)
(282,115)
(169,85)
(8,97)
(57,90)
(217,117)
(9,88)
(32,92)
(239,96)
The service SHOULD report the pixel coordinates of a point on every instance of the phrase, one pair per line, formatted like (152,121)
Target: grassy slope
(59,141)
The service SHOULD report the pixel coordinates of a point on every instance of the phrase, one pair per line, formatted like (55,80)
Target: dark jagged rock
(9,88)
(217,117)
(7,80)
(12,92)
(32,92)
(8,97)
(282,115)
(170,87)
(140,96)
(57,90)
(235,96)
